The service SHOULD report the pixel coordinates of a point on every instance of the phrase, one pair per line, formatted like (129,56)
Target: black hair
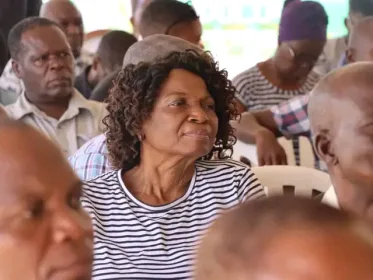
(113,47)
(287,2)
(15,35)
(161,15)
(135,91)
(363,7)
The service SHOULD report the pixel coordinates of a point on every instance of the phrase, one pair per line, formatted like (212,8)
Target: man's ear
(351,55)
(324,147)
(96,63)
(17,69)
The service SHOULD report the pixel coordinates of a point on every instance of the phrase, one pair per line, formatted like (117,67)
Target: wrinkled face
(352,145)
(44,232)
(183,121)
(295,59)
(70,19)
(190,31)
(45,64)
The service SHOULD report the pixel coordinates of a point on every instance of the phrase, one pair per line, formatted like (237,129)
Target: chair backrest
(292,180)
(248,151)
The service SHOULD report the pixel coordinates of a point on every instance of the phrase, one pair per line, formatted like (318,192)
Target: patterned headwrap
(303,20)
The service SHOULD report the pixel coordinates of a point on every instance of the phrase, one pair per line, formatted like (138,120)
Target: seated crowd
(119,166)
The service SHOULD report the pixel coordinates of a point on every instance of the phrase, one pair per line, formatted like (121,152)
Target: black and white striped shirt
(137,241)
(255,92)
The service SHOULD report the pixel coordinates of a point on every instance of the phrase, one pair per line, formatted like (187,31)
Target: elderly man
(286,238)
(341,116)
(44,232)
(64,13)
(290,118)
(42,59)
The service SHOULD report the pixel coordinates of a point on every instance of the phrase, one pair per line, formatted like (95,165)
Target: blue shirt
(92,159)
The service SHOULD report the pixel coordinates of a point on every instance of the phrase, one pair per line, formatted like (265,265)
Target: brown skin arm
(239,106)
(260,128)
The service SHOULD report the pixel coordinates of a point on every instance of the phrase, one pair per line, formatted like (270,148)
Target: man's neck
(53,109)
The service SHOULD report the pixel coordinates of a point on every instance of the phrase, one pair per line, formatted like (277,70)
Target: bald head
(66,14)
(339,94)
(360,45)
(341,116)
(285,238)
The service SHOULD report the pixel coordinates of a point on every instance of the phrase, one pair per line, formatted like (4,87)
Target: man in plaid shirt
(288,119)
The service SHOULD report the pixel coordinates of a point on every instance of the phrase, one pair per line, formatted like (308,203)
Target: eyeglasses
(302,60)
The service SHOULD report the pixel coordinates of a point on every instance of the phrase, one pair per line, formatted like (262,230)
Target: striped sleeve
(250,187)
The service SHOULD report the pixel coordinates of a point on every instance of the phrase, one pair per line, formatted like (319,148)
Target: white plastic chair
(248,151)
(293,180)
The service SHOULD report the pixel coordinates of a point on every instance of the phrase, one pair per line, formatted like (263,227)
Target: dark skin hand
(260,128)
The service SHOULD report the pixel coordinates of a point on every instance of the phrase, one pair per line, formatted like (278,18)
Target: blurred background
(232,29)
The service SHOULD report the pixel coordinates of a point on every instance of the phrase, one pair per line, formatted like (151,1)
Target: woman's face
(183,121)
(44,232)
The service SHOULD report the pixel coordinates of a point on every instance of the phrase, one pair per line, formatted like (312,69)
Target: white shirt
(80,122)
(330,198)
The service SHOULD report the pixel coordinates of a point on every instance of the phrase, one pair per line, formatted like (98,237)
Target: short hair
(244,234)
(364,7)
(15,35)
(113,47)
(161,15)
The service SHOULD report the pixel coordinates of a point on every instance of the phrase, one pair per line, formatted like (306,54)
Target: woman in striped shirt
(166,121)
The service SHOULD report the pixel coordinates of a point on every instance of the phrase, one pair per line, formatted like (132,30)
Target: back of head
(15,34)
(161,15)
(247,240)
(361,7)
(148,50)
(303,20)
(113,47)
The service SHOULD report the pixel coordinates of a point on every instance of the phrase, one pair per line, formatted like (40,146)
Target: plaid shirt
(292,120)
(92,159)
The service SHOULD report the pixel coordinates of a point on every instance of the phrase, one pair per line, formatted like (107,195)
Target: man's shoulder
(16,110)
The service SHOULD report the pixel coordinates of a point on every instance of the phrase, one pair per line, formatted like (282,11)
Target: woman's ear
(324,148)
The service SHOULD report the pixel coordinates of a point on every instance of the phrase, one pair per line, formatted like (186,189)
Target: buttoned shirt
(80,122)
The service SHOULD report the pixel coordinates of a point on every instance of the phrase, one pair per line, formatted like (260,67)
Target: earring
(140,137)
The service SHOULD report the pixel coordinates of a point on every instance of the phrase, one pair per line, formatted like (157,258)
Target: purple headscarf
(303,20)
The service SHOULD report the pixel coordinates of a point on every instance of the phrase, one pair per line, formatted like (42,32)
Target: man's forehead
(63,12)
(45,38)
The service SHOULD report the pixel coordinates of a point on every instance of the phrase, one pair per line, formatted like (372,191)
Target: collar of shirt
(23,107)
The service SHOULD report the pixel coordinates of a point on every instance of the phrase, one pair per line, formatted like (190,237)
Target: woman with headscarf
(301,39)
(302,36)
